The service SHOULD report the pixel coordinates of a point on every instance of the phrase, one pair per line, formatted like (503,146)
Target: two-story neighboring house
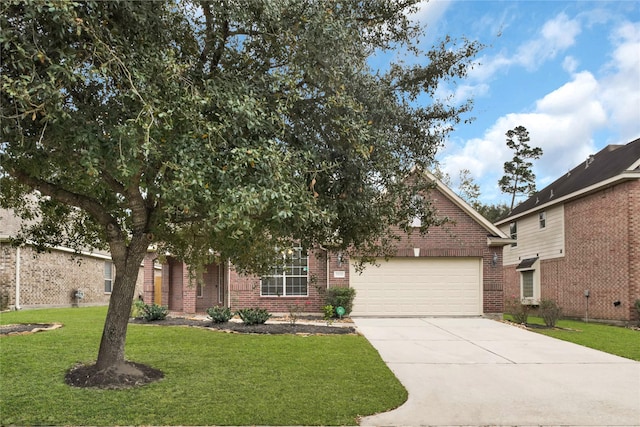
(578,239)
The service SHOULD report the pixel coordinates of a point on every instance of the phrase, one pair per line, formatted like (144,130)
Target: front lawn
(211,378)
(616,340)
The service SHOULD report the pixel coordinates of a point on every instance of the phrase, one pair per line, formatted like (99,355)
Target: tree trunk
(114,334)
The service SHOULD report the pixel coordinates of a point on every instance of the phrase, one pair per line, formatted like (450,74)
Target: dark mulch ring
(125,375)
(266,328)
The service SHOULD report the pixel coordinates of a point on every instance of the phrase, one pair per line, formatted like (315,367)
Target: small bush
(518,311)
(294,313)
(340,297)
(154,312)
(219,314)
(137,309)
(328,313)
(637,305)
(550,312)
(253,316)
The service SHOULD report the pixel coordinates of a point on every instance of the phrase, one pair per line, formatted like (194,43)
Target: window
(199,290)
(529,270)
(288,278)
(513,232)
(108,277)
(417,202)
(542,219)
(527,284)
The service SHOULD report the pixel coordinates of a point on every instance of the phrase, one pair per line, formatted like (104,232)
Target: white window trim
(535,300)
(284,278)
(542,220)
(110,278)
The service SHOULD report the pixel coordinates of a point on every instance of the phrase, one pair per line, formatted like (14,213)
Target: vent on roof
(551,195)
(589,161)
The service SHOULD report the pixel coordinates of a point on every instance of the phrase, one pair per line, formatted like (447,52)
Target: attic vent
(537,200)
(551,195)
(589,161)
(568,174)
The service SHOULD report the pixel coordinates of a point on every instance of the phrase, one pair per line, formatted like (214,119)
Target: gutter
(625,176)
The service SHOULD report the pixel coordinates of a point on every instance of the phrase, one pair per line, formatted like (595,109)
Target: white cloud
(562,124)
(621,86)
(556,36)
(570,64)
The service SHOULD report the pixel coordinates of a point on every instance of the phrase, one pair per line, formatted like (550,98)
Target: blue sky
(568,71)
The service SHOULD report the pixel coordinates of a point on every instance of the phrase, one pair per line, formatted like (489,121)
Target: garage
(420,286)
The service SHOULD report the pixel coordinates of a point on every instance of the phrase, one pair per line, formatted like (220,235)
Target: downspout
(228,280)
(18,278)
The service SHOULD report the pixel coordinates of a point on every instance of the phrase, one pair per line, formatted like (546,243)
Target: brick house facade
(37,280)
(465,236)
(596,246)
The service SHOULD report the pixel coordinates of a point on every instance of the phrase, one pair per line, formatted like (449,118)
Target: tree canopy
(216,129)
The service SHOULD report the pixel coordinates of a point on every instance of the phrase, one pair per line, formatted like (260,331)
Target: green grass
(616,340)
(210,377)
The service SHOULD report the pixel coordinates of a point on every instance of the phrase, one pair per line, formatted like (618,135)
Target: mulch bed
(27,328)
(271,328)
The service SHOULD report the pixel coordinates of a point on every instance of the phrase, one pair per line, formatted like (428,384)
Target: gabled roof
(495,237)
(610,165)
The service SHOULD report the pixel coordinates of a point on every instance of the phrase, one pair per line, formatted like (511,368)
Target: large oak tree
(215,129)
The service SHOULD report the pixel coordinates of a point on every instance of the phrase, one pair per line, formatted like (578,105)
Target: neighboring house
(455,269)
(52,279)
(578,239)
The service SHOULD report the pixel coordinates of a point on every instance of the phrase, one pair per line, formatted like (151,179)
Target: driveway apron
(481,372)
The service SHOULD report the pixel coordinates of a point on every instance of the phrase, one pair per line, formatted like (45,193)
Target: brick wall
(461,236)
(50,279)
(245,289)
(602,255)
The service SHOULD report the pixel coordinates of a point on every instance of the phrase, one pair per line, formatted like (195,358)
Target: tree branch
(92,206)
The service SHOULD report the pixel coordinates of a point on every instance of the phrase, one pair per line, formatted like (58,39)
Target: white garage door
(419,287)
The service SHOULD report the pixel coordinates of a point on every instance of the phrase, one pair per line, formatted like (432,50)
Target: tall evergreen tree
(519,178)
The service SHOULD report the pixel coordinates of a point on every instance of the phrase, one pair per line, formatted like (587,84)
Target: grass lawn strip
(618,340)
(210,378)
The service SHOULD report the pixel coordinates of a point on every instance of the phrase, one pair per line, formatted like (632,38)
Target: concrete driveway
(480,372)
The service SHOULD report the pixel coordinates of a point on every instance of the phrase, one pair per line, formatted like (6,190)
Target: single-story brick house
(455,269)
(52,279)
(578,239)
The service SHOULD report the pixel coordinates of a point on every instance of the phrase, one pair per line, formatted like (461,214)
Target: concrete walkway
(480,372)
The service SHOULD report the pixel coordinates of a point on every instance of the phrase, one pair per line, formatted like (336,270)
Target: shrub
(154,312)
(518,311)
(294,313)
(550,312)
(219,314)
(637,305)
(328,313)
(137,309)
(340,297)
(253,316)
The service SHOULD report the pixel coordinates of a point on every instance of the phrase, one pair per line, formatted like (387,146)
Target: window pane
(271,286)
(527,284)
(108,276)
(297,286)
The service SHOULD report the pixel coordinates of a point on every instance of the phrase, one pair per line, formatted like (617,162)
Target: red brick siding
(461,236)
(245,290)
(601,255)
